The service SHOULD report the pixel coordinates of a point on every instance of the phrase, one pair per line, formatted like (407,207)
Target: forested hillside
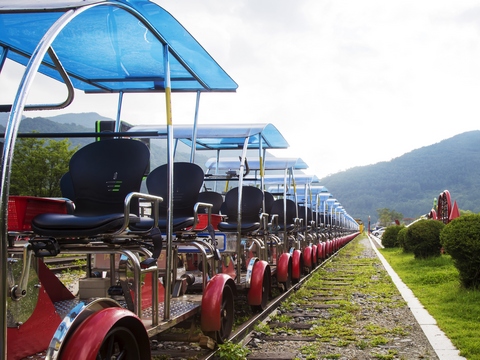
(409,183)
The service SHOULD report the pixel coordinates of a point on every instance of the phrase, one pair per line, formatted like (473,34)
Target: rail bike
(240,231)
(100,47)
(161,249)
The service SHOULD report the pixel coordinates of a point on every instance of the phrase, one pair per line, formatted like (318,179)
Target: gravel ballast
(349,319)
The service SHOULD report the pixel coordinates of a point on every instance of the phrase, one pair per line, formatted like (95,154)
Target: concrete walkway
(439,341)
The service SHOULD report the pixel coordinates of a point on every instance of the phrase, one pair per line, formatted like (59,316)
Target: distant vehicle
(378,232)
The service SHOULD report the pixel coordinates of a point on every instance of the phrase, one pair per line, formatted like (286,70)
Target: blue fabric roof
(223,136)
(254,164)
(110,46)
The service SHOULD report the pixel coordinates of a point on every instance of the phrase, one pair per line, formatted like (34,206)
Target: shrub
(389,237)
(423,238)
(461,240)
(401,239)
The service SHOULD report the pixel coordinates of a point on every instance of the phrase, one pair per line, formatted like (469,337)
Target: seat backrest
(187,182)
(102,174)
(290,214)
(212,197)
(252,202)
(301,213)
(269,199)
(66,186)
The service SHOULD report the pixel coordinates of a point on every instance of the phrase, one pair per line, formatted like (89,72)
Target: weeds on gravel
(232,351)
(436,284)
(389,356)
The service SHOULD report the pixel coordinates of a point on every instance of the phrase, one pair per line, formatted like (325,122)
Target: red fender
(307,257)
(254,296)
(314,255)
(212,301)
(321,251)
(296,264)
(282,267)
(35,334)
(85,342)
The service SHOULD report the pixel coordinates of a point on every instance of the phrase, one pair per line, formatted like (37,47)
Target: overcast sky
(349,83)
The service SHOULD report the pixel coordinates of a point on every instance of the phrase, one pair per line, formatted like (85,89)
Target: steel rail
(241,333)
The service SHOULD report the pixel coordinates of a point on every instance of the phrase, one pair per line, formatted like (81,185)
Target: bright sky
(349,83)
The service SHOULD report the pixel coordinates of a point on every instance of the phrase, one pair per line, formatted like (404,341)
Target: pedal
(45,247)
(115,290)
(147,263)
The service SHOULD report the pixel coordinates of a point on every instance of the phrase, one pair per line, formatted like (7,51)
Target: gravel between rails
(380,329)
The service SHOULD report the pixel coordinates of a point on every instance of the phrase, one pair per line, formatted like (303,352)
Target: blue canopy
(223,136)
(254,164)
(109,45)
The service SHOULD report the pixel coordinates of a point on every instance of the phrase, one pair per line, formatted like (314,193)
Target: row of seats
(102,173)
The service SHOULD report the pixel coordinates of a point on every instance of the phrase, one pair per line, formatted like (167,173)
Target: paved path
(439,341)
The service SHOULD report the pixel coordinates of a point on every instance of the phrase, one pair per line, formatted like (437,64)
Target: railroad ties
(348,309)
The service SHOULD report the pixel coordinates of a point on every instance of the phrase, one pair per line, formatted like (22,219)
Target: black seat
(212,197)
(269,199)
(102,174)
(66,186)
(252,202)
(290,214)
(187,182)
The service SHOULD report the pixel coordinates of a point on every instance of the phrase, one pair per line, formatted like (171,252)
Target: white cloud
(347,82)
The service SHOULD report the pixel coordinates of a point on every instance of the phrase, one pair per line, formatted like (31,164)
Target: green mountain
(410,183)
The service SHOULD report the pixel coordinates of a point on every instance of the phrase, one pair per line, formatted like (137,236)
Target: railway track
(347,308)
(243,332)
(164,347)
(59,264)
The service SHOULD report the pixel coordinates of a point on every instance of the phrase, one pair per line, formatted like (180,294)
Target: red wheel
(314,256)
(217,314)
(260,286)
(119,343)
(111,333)
(226,317)
(307,260)
(297,265)
(284,271)
(321,251)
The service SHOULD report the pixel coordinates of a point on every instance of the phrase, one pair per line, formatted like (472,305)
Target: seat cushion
(180,223)
(246,227)
(67,225)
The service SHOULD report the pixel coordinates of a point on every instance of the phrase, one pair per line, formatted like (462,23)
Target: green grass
(436,284)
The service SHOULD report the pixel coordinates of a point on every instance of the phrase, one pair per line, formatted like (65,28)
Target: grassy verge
(435,283)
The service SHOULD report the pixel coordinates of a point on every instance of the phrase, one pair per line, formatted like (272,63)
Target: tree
(423,238)
(461,240)
(38,166)
(387,217)
(390,236)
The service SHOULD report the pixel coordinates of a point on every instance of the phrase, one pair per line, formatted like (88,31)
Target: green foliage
(38,166)
(435,282)
(387,216)
(423,238)
(461,240)
(390,236)
(401,239)
(232,351)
